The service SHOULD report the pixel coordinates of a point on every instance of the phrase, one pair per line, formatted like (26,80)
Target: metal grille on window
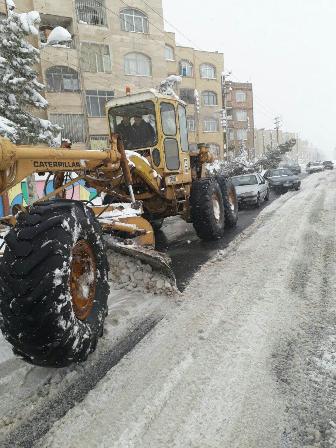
(95,58)
(99,142)
(241,115)
(209,98)
(62,79)
(92,12)
(96,101)
(72,124)
(137,64)
(133,21)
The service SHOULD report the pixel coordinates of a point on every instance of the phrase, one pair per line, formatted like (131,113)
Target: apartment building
(238,98)
(117,44)
(201,89)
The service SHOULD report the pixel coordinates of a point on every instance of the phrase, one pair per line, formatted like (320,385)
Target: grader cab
(54,271)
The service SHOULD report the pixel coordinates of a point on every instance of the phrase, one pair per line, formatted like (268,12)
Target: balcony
(49,22)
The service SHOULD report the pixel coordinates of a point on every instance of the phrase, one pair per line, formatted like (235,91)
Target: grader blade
(158,261)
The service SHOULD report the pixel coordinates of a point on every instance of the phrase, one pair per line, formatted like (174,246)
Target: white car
(314,167)
(251,189)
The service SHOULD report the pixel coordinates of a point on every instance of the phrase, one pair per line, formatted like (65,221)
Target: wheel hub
(83,277)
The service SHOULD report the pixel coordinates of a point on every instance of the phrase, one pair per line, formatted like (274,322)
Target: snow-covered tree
(20,90)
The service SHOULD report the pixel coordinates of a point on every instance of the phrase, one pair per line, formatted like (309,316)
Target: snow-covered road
(247,360)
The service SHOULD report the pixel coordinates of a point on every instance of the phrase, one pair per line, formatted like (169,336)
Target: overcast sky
(286,48)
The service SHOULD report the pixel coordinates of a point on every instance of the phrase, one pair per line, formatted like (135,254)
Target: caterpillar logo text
(42,164)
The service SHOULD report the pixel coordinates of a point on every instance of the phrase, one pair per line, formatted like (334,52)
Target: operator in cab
(143,133)
(125,130)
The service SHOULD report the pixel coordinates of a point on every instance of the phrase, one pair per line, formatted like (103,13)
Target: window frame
(189,118)
(210,120)
(243,112)
(49,75)
(188,66)
(208,94)
(163,122)
(89,97)
(207,66)
(136,13)
(105,64)
(75,128)
(240,92)
(137,64)
(187,97)
(169,47)
(240,131)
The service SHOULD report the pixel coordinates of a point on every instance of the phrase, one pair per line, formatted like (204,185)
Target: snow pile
(169,84)
(58,35)
(133,275)
(20,90)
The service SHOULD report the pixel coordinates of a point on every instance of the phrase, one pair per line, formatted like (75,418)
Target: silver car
(251,189)
(314,167)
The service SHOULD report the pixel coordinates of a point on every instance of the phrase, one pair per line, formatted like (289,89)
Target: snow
(130,154)
(234,364)
(57,35)
(122,210)
(30,22)
(10,4)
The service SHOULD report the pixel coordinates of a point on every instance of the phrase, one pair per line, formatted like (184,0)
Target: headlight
(248,194)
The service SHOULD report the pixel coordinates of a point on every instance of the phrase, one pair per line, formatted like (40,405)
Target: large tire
(207,209)
(53,284)
(230,201)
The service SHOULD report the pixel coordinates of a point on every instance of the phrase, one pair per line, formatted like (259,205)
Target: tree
(20,90)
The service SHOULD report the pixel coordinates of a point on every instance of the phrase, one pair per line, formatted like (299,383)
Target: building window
(231,135)
(96,58)
(72,126)
(62,79)
(137,64)
(96,101)
(210,125)
(91,12)
(134,21)
(186,69)
(241,115)
(99,142)
(209,98)
(191,124)
(241,134)
(169,53)
(187,95)
(214,149)
(208,71)
(240,97)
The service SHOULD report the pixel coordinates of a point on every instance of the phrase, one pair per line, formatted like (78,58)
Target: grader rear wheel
(207,209)
(53,284)
(230,201)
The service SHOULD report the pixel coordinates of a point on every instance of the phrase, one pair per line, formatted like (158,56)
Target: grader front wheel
(53,284)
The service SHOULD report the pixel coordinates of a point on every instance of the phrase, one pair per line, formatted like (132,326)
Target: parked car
(282,179)
(328,165)
(293,167)
(314,167)
(251,189)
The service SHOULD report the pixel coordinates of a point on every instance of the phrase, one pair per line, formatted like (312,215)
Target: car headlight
(248,194)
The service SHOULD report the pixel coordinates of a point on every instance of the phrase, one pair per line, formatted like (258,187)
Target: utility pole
(277,122)
(226,125)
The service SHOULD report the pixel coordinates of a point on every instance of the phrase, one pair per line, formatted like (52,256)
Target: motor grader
(54,271)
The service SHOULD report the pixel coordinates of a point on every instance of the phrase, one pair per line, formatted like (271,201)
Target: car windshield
(315,164)
(135,123)
(284,172)
(240,181)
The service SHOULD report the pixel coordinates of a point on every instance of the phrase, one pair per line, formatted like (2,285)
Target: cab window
(183,129)
(168,119)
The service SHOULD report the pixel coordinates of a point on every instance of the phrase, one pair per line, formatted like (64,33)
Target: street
(243,358)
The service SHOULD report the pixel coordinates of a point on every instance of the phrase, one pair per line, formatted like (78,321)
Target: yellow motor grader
(54,271)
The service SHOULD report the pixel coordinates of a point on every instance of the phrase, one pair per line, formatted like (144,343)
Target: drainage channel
(42,419)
